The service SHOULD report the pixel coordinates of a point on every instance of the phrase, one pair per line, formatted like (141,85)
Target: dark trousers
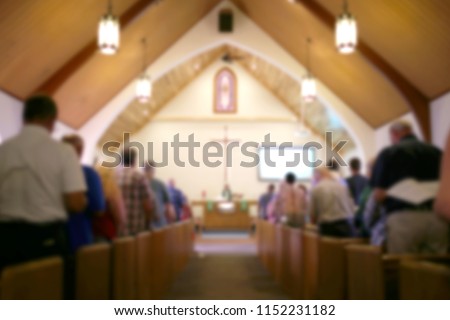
(339,229)
(21,242)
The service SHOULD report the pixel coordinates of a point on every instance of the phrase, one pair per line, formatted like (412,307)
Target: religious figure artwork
(225,91)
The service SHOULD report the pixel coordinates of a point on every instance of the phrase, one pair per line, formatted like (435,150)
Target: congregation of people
(51,204)
(362,206)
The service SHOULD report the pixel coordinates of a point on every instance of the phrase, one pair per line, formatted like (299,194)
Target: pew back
(424,280)
(271,248)
(93,272)
(310,260)
(295,289)
(36,280)
(143,265)
(158,266)
(285,269)
(278,252)
(124,269)
(372,275)
(365,272)
(332,278)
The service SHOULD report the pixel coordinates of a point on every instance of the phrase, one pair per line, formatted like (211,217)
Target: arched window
(225,91)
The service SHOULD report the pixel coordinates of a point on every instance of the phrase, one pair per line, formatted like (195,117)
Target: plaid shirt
(135,190)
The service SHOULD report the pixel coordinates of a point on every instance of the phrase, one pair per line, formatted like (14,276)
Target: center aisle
(225,266)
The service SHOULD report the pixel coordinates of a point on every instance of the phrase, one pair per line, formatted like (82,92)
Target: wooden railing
(141,267)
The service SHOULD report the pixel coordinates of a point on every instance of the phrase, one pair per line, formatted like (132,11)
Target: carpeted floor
(225,269)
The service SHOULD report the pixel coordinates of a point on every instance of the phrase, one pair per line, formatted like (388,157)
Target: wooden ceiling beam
(417,101)
(52,84)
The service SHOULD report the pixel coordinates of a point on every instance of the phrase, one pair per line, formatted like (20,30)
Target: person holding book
(410,227)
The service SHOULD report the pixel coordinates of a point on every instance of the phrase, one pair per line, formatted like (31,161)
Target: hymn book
(413,191)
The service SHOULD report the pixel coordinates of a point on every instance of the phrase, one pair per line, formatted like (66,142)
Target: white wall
(440,124)
(440,119)
(248,36)
(61,129)
(196,100)
(11,119)
(10,116)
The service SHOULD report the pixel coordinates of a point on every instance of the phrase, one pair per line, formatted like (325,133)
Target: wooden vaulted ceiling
(136,115)
(40,38)
(316,116)
(401,63)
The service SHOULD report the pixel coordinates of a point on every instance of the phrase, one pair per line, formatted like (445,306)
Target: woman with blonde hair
(110,225)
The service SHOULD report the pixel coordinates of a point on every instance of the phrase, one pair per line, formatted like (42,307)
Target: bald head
(322,173)
(399,130)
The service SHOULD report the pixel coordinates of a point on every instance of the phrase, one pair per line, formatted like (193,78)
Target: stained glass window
(225,87)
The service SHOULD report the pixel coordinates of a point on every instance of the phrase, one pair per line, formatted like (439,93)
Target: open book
(413,191)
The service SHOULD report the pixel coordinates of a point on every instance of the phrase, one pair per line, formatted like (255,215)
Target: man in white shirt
(40,181)
(331,205)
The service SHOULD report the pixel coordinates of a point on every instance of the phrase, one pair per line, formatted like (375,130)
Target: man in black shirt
(357,182)
(409,228)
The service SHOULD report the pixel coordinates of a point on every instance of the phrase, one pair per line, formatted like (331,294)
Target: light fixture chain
(144,60)
(345,6)
(308,55)
(110,7)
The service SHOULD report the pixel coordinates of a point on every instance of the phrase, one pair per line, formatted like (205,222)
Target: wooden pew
(124,269)
(262,236)
(271,247)
(374,276)
(278,252)
(188,240)
(176,250)
(295,288)
(424,280)
(332,277)
(93,273)
(158,265)
(286,274)
(36,280)
(310,259)
(169,255)
(260,239)
(133,268)
(143,266)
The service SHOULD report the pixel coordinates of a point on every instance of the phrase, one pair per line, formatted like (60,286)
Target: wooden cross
(225,141)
